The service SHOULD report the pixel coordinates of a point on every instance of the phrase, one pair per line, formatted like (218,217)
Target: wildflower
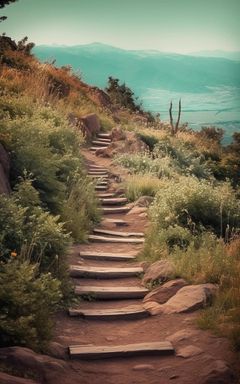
(14,253)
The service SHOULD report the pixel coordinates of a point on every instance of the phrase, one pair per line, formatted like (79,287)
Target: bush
(197,205)
(27,302)
(141,185)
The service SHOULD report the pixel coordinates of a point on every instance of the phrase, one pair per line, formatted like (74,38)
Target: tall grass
(141,185)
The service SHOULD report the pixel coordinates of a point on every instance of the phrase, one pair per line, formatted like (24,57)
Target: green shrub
(197,205)
(27,302)
(141,185)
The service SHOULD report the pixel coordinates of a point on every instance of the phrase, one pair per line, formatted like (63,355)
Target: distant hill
(144,69)
(230,55)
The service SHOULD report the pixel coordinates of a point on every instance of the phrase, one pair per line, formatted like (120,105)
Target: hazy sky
(166,25)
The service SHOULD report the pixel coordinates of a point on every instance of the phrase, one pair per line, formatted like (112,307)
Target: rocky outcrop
(217,372)
(165,292)
(91,125)
(160,271)
(4,171)
(144,201)
(122,142)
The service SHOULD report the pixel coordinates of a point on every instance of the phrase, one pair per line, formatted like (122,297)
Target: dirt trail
(145,369)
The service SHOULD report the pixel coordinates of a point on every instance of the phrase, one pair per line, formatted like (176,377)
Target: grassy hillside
(194,181)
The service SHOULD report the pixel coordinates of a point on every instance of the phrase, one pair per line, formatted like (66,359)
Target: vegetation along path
(117,334)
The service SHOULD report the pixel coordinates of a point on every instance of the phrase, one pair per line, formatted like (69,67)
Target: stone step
(114,201)
(104,135)
(103,272)
(91,352)
(100,143)
(117,222)
(114,210)
(132,312)
(102,239)
(93,149)
(111,293)
(115,233)
(107,256)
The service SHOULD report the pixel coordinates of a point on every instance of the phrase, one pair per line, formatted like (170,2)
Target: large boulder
(91,125)
(4,171)
(9,379)
(166,291)
(160,271)
(189,298)
(46,368)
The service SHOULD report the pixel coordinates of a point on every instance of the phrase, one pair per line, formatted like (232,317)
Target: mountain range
(144,69)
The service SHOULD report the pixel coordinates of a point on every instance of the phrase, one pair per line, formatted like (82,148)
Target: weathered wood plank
(114,201)
(108,211)
(103,272)
(132,312)
(116,233)
(104,139)
(103,239)
(161,348)
(107,256)
(98,173)
(104,135)
(93,149)
(117,222)
(111,293)
(105,195)
(101,187)
(100,143)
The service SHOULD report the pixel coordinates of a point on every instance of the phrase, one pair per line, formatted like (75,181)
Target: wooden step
(115,233)
(111,293)
(107,256)
(102,272)
(114,201)
(102,239)
(105,195)
(117,222)
(104,135)
(115,210)
(100,143)
(105,178)
(102,182)
(104,140)
(97,173)
(101,187)
(97,167)
(160,348)
(132,312)
(93,149)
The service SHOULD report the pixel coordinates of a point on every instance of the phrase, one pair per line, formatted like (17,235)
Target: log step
(93,149)
(132,312)
(104,140)
(114,201)
(103,273)
(107,256)
(96,167)
(102,182)
(101,187)
(103,177)
(98,173)
(106,210)
(104,135)
(111,293)
(99,142)
(115,233)
(102,239)
(117,222)
(105,195)
(89,352)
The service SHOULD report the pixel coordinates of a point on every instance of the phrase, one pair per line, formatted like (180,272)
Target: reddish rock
(189,351)
(217,372)
(91,125)
(9,379)
(161,270)
(165,292)
(118,134)
(189,299)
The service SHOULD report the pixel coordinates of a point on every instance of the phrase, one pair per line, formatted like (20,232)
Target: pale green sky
(166,25)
